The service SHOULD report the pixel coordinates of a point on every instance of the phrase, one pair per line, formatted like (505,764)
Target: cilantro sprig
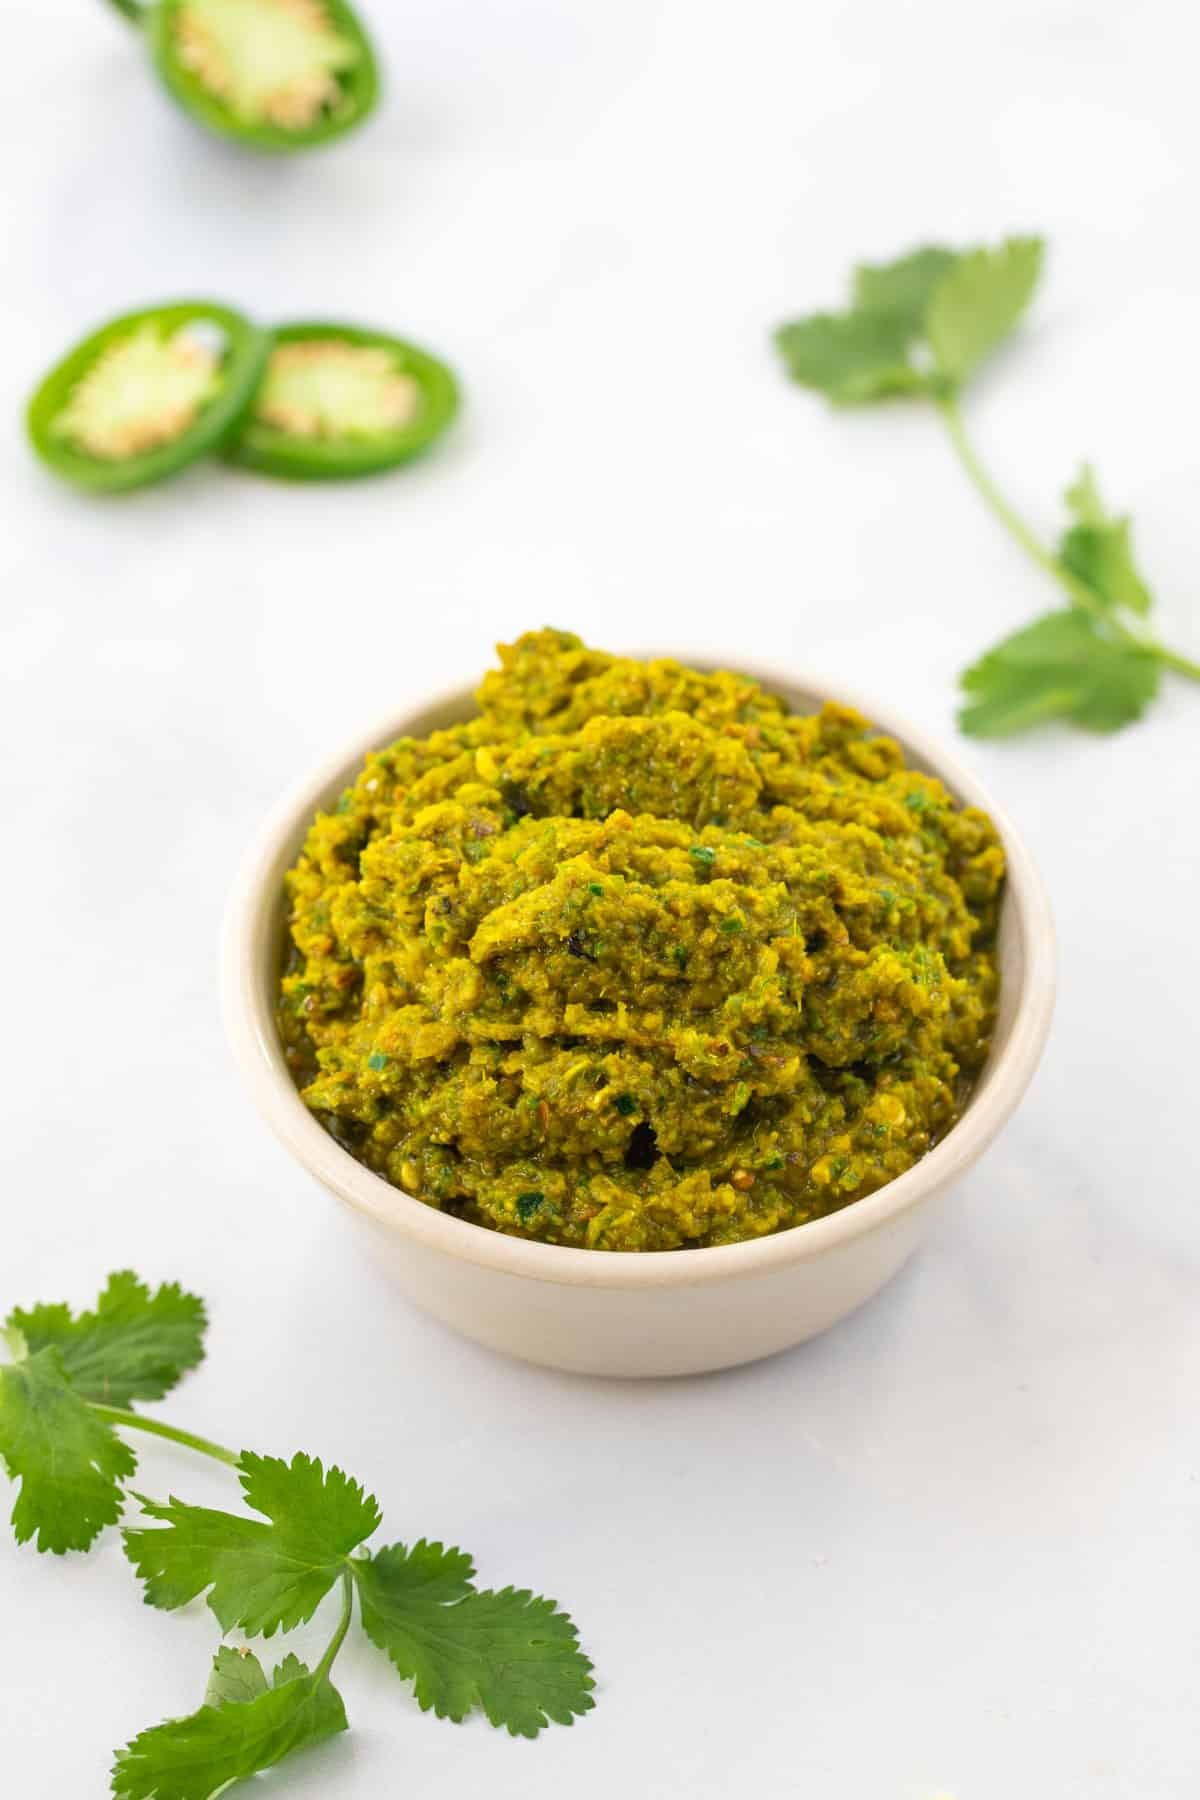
(65,1396)
(922,327)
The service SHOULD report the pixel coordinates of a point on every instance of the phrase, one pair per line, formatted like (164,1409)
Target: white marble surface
(953,1549)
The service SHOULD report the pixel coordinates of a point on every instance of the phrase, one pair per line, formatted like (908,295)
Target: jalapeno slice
(147,394)
(274,74)
(338,401)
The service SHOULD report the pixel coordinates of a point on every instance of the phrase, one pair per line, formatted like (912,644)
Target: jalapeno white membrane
(328,388)
(144,390)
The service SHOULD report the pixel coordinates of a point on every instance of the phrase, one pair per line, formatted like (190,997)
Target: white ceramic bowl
(673,1312)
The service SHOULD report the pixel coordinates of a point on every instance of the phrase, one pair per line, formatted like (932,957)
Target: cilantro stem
(1182,665)
(131,1421)
(1079,593)
(339,1636)
(1011,520)
(130,9)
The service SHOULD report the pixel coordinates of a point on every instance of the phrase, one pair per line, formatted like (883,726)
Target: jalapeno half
(274,74)
(337,401)
(147,394)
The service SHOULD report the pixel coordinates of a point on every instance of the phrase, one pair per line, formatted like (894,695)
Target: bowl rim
(250,1029)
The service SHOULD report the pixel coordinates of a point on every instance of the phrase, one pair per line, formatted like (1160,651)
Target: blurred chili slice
(147,394)
(274,74)
(340,400)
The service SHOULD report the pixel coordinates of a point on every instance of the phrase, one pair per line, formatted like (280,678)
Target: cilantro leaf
(977,303)
(512,1654)
(135,1346)
(198,1757)
(69,1462)
(961,304)
(852,358)
(1084,501)
(1099,550)
(237,1676)
(515,1656)
(1066,666)
(261,1577)
(904,288)
(290,1669)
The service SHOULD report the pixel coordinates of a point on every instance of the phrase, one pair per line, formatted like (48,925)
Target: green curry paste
(637,959)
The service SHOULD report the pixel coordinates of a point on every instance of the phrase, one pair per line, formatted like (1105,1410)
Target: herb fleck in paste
(637,959)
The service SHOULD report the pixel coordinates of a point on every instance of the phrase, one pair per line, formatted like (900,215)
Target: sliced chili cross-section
(339,400)
(275,74)
(147,394)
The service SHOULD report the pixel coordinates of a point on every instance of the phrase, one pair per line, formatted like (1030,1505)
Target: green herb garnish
(63,1399)
(923,326)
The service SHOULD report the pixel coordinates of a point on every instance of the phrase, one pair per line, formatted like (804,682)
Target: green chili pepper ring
(213,417)
(317,416)
(331,97)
